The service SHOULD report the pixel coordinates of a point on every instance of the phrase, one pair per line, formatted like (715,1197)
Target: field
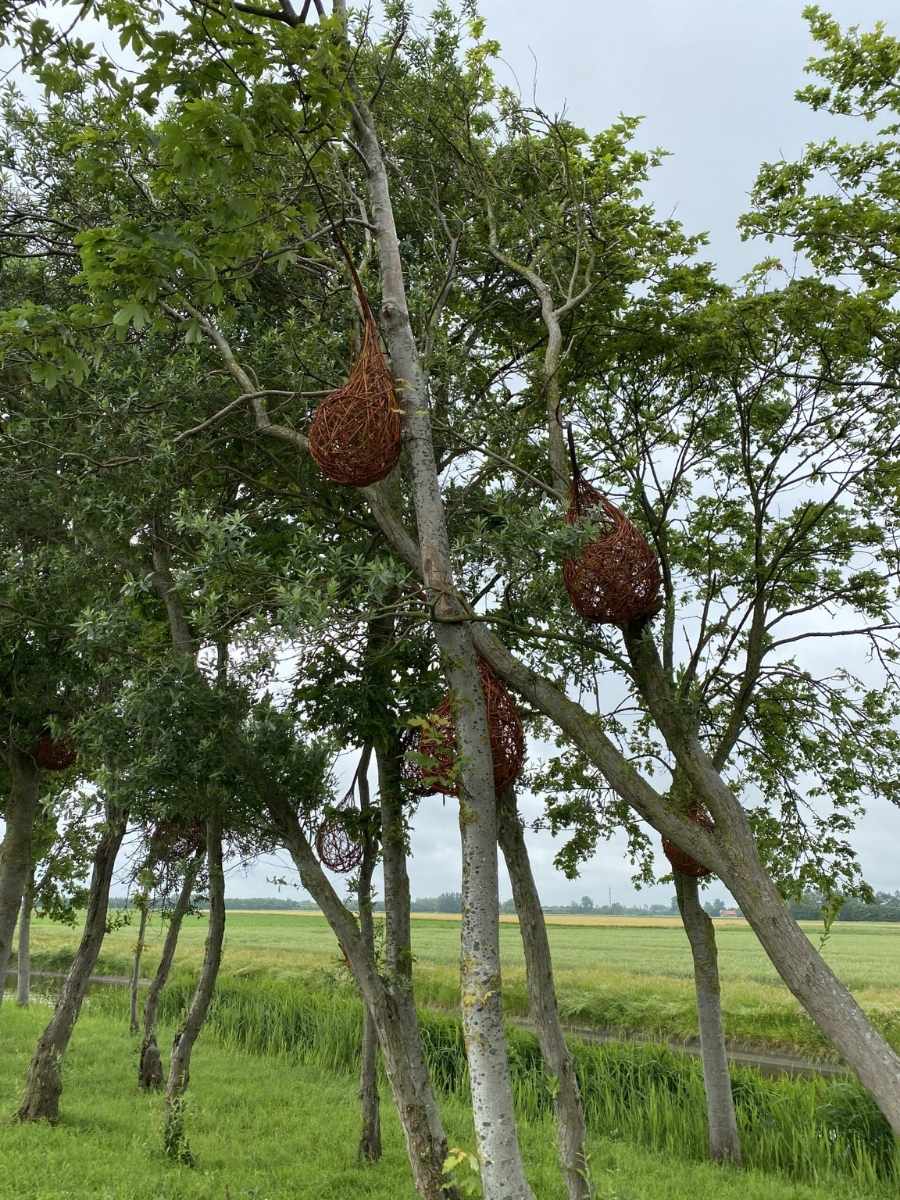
(618,973)
(284,1125)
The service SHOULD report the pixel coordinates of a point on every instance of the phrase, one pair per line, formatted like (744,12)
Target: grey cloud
(714,80)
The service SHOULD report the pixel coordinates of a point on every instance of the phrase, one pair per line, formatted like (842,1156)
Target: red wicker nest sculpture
(355,432)
(410,769)
(680,859)
(54,754)
(616,579)
(336,848)
(438,742)
(174,840)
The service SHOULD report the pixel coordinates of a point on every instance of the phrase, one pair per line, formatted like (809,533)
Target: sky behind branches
(714,81)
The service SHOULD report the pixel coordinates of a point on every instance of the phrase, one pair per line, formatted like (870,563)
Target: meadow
(627,974)
(272,1115)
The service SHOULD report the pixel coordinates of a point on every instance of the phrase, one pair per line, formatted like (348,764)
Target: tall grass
(271,1128)
(648,1095)
(631,977)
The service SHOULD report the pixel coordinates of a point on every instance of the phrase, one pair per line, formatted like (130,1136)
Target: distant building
(729,912)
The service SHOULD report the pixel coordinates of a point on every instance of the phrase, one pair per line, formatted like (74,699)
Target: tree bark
(724,1140)
(402,1054)
(174,1138)
(502,1170)
(398,930)
(150,1073)
(186,1037)
(730,851)
(44,1084)
(571,1129)
(827,1001)
(23,974)
(799,964)
(370,1136)
(136,964)
(397,925)
(396,970)
(15,852)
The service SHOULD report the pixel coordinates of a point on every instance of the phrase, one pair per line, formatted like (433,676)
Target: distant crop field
(623,973)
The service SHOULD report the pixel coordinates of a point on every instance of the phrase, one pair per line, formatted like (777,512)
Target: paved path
(772,1062)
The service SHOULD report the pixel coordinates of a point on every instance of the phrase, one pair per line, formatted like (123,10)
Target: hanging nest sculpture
(437,742)
(355,432)
(410,770)
(174,840)
(616,579)
(680,859)
(336,848)
(54,754)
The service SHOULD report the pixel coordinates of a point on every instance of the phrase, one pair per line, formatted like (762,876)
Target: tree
(63,843)
(724,1142)
(749,433)
(44,1083)
(837,203)
(15,853)
(370,1137)
(542,1004)
(150,1072)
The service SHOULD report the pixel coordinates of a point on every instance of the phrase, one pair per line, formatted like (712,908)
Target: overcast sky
(714,80)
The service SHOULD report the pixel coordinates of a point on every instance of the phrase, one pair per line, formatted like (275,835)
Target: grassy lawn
(629,974)
(267,1128)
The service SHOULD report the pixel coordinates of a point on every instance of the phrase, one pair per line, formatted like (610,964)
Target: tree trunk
(731,852)
(23,979)
(185,1039)
(571,1130)
(136,964)
(15,852)
(370,1137)
(150,1073)
(44,1084)
(502,1171)
(180,1065)
(402,1054)
(724,1141)
(398,929)
(799,964)
(818,989)
(396,972)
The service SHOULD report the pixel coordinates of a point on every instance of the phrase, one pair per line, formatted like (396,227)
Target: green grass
(276,1127)
(629,975)
(642,1094)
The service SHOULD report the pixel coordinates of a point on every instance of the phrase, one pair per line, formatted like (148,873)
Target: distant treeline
(451,902)
(885,907)
(238,902)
